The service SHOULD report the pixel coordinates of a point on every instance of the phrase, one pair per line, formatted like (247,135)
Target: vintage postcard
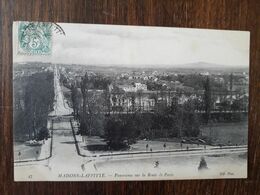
(110,102)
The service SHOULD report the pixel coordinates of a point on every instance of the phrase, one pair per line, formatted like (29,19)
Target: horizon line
(141,66)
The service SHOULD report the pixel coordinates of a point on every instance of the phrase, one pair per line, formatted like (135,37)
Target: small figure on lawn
(164,146)
(95,167)
(156,164)
(37,154)
(203,164)
(146,147)
(83,167)
(19,154)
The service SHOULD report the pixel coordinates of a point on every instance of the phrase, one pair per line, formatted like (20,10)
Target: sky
(132,46)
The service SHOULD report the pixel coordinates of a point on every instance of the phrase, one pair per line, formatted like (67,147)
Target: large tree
(38,102)
(207,99)
(84,86)
(92,115)
(75,98)
(191,123)
(120,132)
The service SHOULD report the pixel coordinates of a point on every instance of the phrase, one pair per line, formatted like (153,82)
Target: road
(60,105)
(64,153)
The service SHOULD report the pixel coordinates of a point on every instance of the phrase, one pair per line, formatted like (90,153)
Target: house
(133,88)
(140,86)
(127,88)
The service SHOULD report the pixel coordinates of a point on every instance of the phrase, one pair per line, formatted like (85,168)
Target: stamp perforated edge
(34,32)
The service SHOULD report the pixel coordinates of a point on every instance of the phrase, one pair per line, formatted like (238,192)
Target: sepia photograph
(112,102)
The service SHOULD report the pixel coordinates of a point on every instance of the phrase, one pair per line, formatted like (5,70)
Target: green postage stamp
(35,38)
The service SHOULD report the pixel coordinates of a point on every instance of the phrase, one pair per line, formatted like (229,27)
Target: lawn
(220,133)
(23,152)
(227,133)
(97,145)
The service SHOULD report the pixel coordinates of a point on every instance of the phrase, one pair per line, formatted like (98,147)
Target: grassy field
(23,152)
(227,133)
(97,145)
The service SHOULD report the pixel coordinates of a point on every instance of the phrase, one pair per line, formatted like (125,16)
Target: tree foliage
(31,119)
(207,98)
(91,116)
(120,132)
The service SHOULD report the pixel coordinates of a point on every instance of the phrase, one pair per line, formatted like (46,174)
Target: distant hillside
(191,67)
(210,66)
